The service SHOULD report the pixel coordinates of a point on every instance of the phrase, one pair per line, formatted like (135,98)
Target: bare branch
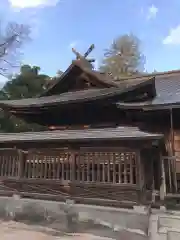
(9,63)
(11,41)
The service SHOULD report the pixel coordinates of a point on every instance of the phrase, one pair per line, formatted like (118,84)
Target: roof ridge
(149,75)
(100,76)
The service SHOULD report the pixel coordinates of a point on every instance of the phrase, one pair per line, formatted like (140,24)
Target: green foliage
(29,83)
(123,58)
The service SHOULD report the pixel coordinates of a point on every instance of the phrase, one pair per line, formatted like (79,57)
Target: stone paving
(29,218)
(162,227)
(19,231)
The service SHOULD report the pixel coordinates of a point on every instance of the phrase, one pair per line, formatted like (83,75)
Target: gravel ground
(19,231)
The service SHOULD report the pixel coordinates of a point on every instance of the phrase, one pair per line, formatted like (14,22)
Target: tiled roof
(167,74)
(83,95)
(73,71)
(70,97)
(119,133)
(167,86)
(167,89)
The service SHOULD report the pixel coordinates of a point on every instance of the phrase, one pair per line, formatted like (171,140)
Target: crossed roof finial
(82,57)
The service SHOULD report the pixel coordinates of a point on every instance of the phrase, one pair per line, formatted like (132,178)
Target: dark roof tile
(119,133)
(167,88)
(70,97)
(83,95)
(74,70)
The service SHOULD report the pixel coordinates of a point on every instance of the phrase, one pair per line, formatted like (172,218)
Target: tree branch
(10,42)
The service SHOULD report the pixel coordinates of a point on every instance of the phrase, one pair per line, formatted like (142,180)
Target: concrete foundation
(70,217)
(136,224)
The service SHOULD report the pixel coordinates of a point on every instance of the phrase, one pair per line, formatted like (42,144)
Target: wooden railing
(61,172)
(104,167)
(171,175)
(9,162)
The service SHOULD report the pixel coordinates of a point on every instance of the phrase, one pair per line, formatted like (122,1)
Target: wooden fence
(54,171)
(171,175)
(106,167)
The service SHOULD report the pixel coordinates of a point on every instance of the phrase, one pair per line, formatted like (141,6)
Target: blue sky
(57,25)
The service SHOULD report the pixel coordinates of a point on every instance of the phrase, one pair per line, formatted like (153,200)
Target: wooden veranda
(58,171)
(108,173)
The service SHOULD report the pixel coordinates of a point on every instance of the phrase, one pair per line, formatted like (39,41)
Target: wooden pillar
(172,132)
(140,167)
(72,165)
(163,180)
(21,165)
(173,162)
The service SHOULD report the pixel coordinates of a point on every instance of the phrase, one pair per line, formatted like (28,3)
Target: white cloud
(152,12)
(174,36)
(32,3)
(31,16)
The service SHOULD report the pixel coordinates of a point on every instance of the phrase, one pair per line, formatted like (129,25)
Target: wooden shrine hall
(104,146)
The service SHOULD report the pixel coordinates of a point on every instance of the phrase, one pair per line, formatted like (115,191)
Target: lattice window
(106,167)
(48,166)
(98,166)
(9,163)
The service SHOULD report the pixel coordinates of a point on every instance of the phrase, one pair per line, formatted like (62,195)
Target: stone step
(173,235)
(164,227)
(169,222)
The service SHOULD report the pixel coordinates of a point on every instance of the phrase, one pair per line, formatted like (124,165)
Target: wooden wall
(177,149)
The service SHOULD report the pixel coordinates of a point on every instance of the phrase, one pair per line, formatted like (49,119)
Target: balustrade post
(21,165)
(72,166)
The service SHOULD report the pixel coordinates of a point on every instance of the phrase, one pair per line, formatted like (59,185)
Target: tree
(59,73)
(51,81)
(124,57)
(28,83)
(11,42)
